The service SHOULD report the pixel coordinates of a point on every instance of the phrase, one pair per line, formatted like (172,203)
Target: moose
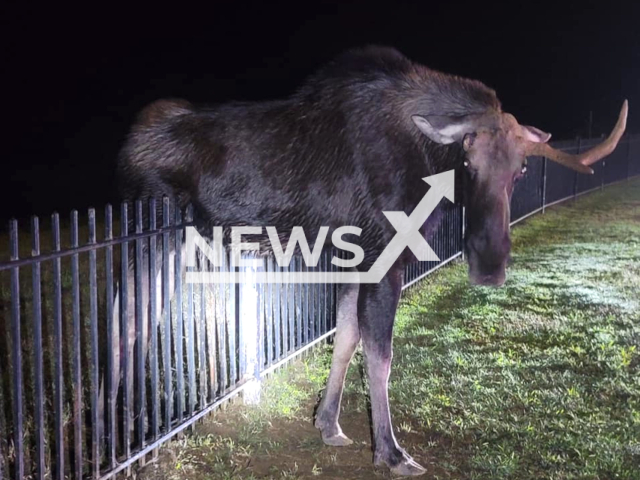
(354,140)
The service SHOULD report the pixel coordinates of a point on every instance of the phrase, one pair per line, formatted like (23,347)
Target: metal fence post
(250,342)
(16,357)
(37,351)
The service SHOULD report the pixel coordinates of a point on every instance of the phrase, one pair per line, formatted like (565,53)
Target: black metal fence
(89,385)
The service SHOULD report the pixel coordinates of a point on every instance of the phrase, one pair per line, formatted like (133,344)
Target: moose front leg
(376,312)
(346,341)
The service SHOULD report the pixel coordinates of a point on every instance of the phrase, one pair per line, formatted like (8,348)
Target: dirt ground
(297,450)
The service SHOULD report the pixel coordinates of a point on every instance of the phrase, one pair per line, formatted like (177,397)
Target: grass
(538,379)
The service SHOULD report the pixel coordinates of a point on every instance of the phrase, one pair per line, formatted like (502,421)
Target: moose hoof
(339,440)
(332,434)
(406,467)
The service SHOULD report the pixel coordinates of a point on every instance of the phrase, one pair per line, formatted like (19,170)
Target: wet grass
(538,379)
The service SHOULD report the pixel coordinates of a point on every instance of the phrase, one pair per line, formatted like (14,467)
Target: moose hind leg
(376,312)
(346,341)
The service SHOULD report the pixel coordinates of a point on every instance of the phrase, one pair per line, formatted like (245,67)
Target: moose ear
(443,129)
(534,134)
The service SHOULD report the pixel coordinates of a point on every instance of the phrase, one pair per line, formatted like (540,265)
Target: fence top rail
(7,265)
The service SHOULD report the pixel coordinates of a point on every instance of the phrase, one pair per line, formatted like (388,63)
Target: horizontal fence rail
(108,352)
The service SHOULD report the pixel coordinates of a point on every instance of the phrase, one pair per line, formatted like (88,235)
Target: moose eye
(468,140)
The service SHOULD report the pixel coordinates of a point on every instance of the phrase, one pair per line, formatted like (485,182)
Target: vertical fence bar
(244,276)
(285,314)
(58,385)
(277,317)
(336,270)
(319,299)
(305,304)
(311,291)
(320,296)
(328,288)
(124,329)
(76,355)
(37,348)
(291,309)
(202,366)
(320,290)
(269,313)
(310,309)
(298,303)
(211,322)
(325,292)
(332,287)
(191,364)
(190,331)
(179,327)
(139,383)
(112,325)
(456,214)
(93,317)
(153,319)
(166,306)
(250,315)
(212,330)
(221,321)
(445,240)
(16,351)
(259,357)
(315,307)
(232,302)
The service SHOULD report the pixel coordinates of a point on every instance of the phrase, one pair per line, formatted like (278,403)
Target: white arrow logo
(408,228)
(408,235)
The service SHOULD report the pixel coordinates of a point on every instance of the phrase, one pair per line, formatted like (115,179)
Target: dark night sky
(74,76)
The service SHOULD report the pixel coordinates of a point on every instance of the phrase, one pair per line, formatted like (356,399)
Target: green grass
(539,379)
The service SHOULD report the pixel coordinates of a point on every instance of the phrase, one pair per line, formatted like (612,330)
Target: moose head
(496,148)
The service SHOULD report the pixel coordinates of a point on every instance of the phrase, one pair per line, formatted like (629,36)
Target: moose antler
(581,161)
